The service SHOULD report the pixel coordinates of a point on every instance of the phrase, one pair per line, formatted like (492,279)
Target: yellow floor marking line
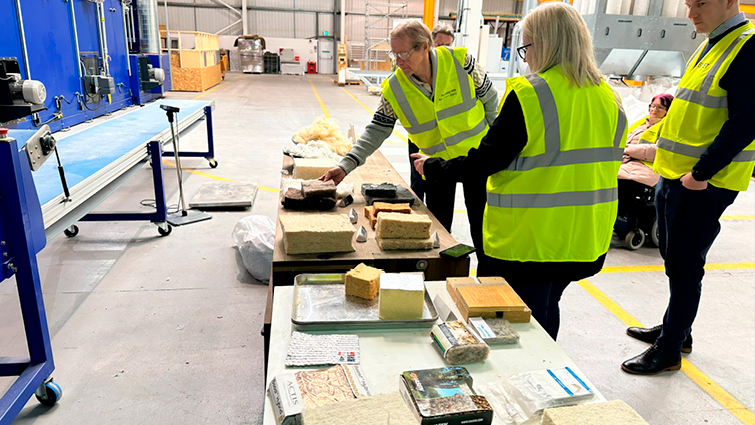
(322,105)
(210,176)
(738,217)
(661,268)
(703,381)
(216,87)
(399,135)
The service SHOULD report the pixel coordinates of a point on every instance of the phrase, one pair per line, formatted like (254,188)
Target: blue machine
(80,50)
(22,236)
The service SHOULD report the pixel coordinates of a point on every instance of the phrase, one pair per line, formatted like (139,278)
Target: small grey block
(436,240)
(353,216)
(504,332)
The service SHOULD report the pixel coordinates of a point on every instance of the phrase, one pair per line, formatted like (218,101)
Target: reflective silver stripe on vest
(698,151)
(550,200)
(432,150)
(468,102)
(403,103)
(553,156)
(701,97)
(463,135)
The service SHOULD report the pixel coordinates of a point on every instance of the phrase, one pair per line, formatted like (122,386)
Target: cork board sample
(491,296)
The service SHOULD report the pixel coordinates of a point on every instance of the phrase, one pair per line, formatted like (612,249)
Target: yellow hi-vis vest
(557,200)
(454,121)
(698,113)
(648,136)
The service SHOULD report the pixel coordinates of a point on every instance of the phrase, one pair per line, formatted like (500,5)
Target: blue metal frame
(20,224)
(161,213)
(210,154)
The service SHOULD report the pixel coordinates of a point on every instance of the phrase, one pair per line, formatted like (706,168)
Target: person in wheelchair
(636,214)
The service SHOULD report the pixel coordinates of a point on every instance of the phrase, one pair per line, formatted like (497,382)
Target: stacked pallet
(195,65)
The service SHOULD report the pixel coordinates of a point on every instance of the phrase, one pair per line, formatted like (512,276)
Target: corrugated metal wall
(298,18)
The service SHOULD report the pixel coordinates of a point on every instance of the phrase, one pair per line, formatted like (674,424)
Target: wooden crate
(195,65)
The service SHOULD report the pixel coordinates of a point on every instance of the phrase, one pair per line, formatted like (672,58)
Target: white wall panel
(305,25)
(320,5)
(233,3)
(180,18)
(326,24)
(273,3)
(213,20)
(271,24)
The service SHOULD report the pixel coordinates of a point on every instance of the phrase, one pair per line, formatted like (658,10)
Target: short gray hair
(415,32)
(443,28)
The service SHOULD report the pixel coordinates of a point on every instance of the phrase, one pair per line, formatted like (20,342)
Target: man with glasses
(705,156)
(446,102)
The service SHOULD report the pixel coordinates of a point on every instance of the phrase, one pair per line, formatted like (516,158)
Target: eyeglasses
(403,56)
(663,108)
(522,51)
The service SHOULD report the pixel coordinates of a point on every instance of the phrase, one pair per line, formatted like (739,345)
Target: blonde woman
(552,157)
(446,102)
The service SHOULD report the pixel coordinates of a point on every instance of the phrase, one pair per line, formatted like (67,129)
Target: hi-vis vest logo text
(447,94)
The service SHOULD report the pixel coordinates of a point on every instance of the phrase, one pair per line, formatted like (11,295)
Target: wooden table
(377,169)
(386,353)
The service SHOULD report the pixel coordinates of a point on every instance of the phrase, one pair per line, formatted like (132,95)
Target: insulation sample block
(309,169)
(383,190)
(613,412)
(378,409)
(363,281)
(317,233)
(494,330)
(458,344)
(403,226)
(404,244)
(403,196)
(380,207)
(317,189)
(294,200)
(402,296)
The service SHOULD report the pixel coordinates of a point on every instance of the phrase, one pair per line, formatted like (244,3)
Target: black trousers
(688,221)
(416,182)
(440,201)
(542,298)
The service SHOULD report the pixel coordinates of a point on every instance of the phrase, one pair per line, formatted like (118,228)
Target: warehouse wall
(299,18)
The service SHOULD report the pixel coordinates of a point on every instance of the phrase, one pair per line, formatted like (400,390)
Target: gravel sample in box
(458,344)
(445,395)
(317,233)
(494,330)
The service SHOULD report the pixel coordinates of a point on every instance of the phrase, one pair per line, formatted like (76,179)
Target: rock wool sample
(402,296)
(404,244)
(379,409)
(317,233)
(309,169)
(363,281)
(614,412)
(318,189)
(403,226)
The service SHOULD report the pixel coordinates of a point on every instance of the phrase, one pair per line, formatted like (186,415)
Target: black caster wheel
(71,231)
(49,393)
(655,233)
(634,239)
(213,163)
(164,232)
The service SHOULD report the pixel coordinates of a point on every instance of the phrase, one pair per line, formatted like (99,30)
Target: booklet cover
(445,395)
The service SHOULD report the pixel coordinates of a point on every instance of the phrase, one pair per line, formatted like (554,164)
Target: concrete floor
(166,330)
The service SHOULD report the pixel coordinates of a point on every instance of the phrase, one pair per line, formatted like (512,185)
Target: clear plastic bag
(523,397)
(254,235)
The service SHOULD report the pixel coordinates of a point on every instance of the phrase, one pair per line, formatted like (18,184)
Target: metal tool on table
(183,215)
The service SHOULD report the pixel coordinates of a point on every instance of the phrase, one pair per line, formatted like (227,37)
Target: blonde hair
(559,36)
(443,28)
(413,31)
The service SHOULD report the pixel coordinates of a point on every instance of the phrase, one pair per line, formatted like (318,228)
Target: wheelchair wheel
(634,239)
(655,233)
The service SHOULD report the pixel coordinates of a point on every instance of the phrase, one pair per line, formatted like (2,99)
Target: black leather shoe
(653,361)
(649,335)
